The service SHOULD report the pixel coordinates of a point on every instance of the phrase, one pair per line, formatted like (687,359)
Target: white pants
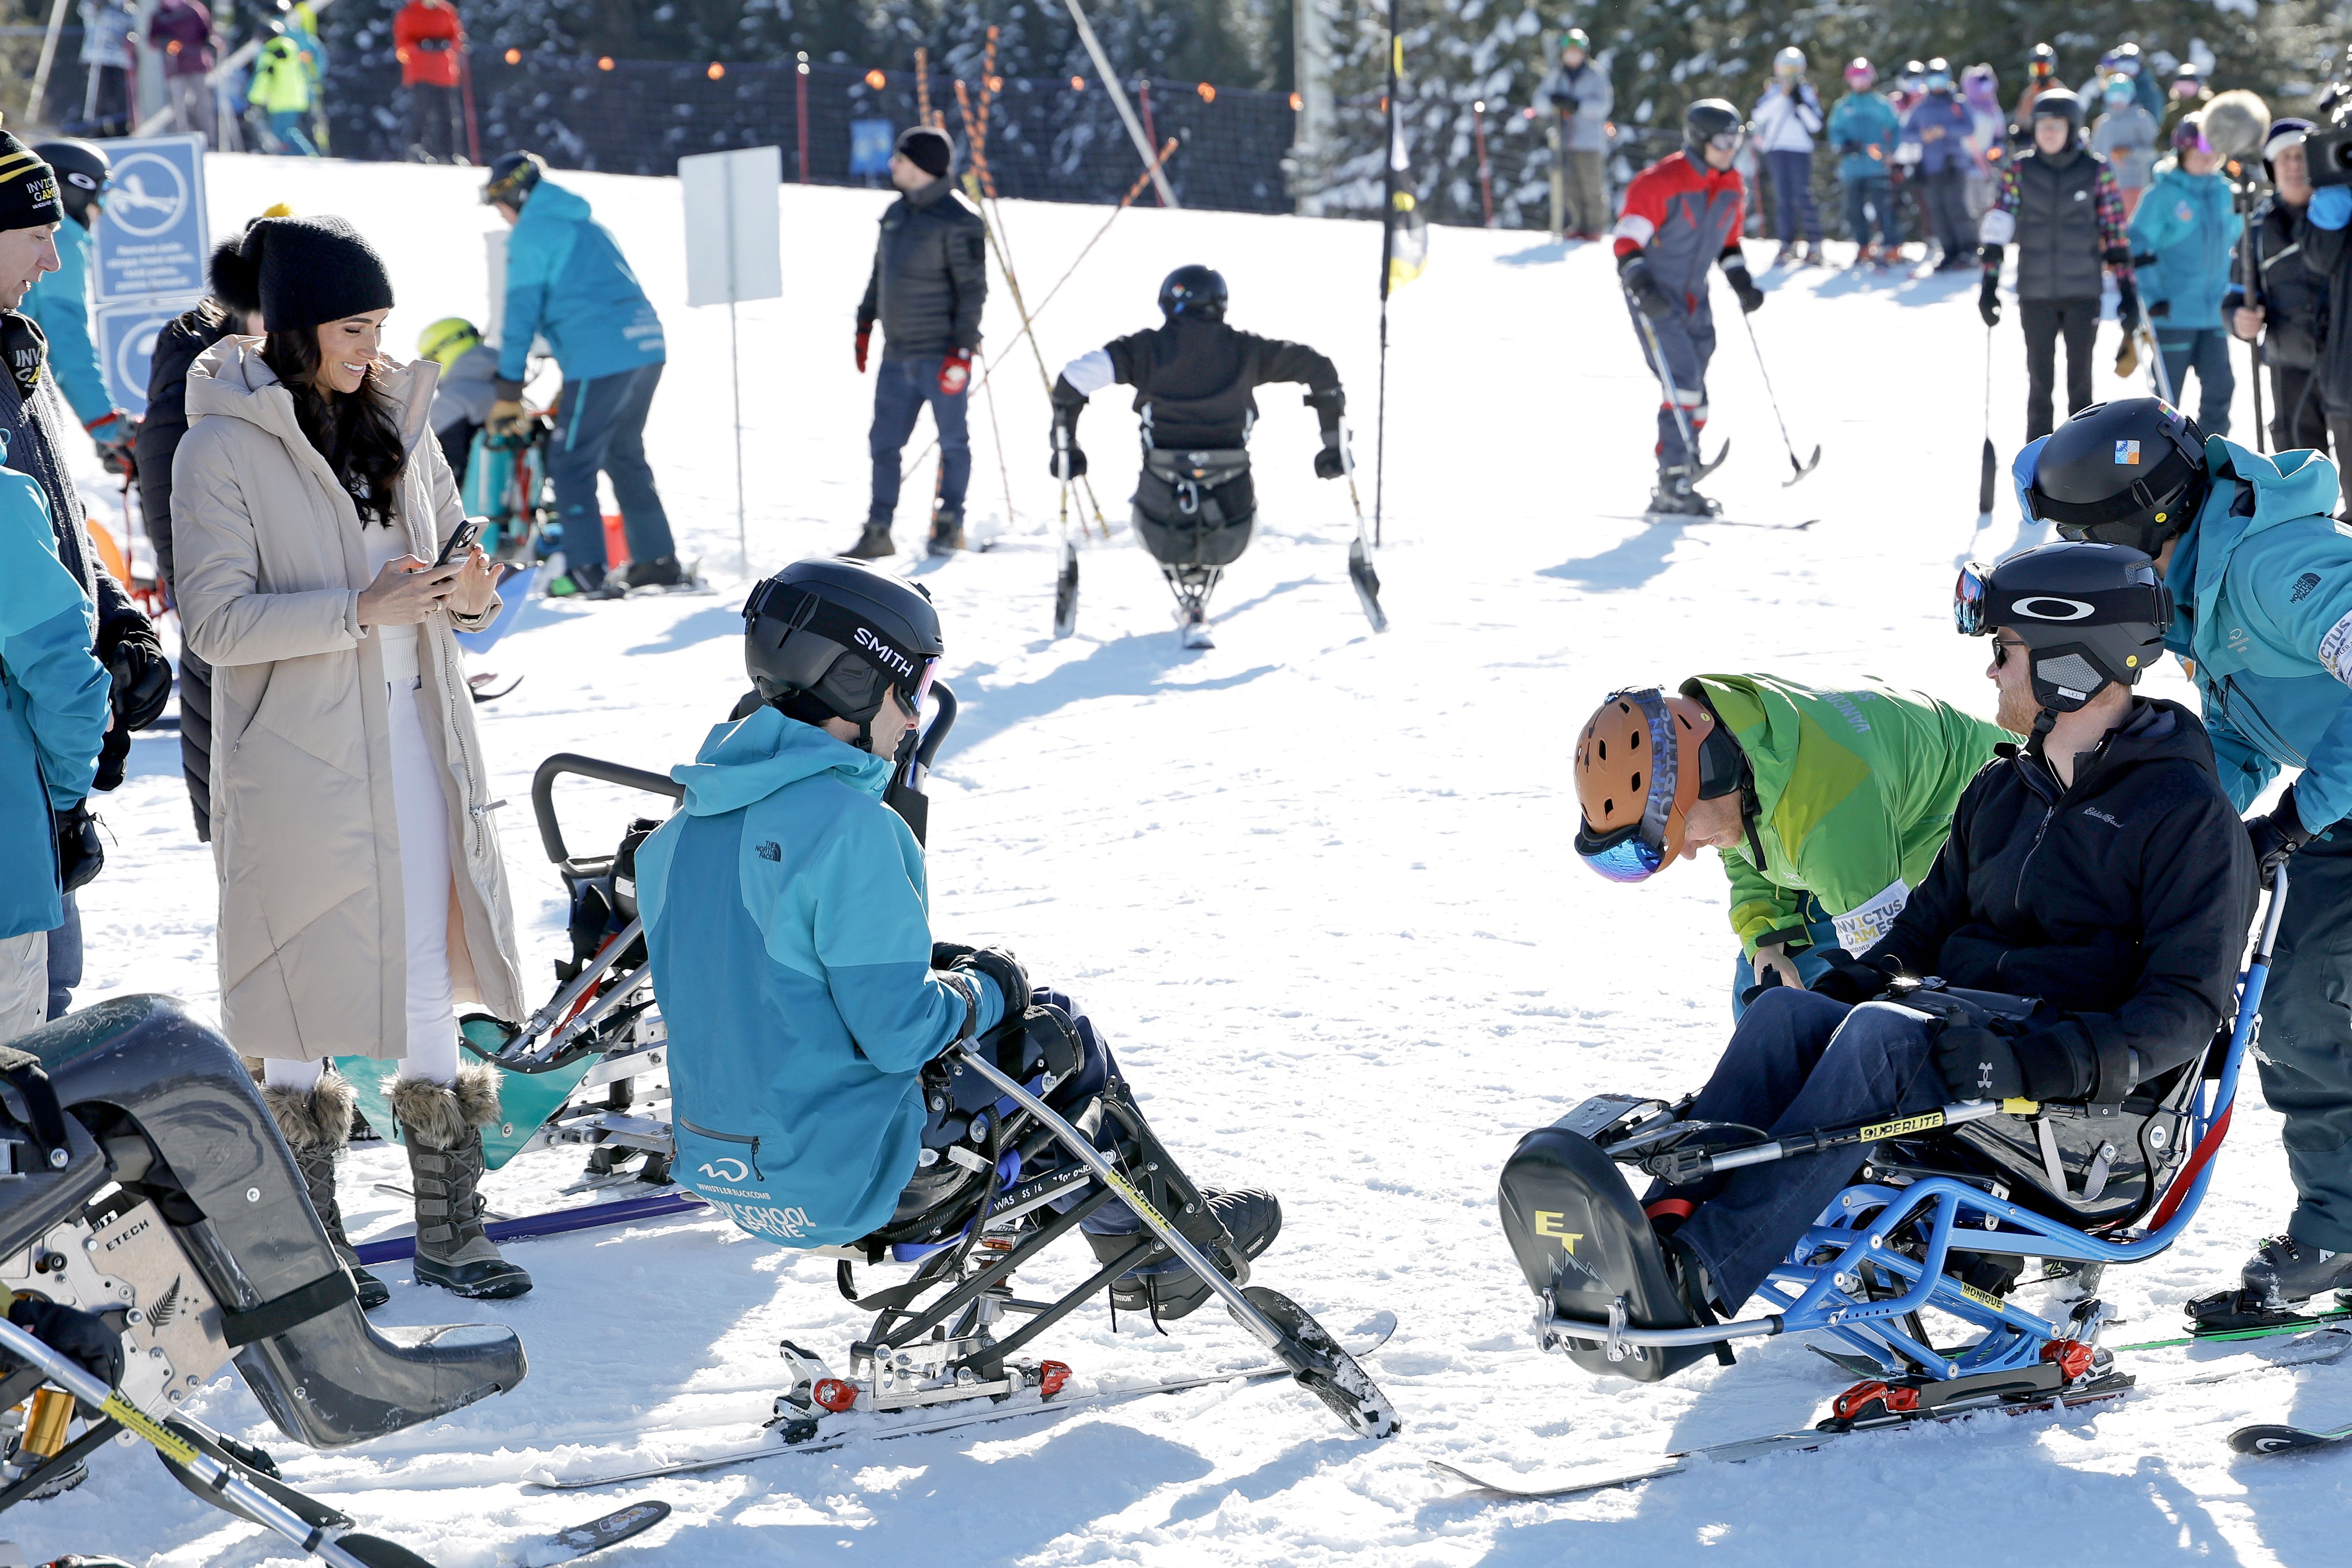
(23,984)
(423,810)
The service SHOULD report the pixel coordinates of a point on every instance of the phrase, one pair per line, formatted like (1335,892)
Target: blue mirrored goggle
(1623,856)
(1969,599)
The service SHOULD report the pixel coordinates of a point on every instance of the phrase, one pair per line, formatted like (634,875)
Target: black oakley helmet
(1197,291)
(1707,118)
(2128,472)
(2088,614)
(82,171)
(827,638)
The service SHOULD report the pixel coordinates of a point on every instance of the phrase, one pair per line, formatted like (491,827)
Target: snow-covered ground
(1317,887)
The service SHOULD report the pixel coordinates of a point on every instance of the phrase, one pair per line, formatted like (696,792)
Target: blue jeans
(1794,215)
(2205,349)
(1868,194)
(901,388)
(1819,930)
(286,124)
(1797,1062)
(600,427)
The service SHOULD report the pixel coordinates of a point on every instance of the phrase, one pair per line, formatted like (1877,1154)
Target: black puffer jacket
(1195,381)
(929,277)
(2123,901)
(2294,296)
(166,420)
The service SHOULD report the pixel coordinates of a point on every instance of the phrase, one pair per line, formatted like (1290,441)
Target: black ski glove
(133,657)
(1751,297)
(1068,404)
(2278,835)
(80,856)
(1850,981)
(1988,297)
(2128,307)
(1006,972)
(1330,463)
(1074,454)
(1642,286)
(113,759)
(1977,1063)
(2161,310)
(82,1337)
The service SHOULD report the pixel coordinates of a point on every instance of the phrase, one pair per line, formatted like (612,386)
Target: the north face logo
(769,849)
(2303,587)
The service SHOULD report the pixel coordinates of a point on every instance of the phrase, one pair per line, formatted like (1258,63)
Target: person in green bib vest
(1827,804)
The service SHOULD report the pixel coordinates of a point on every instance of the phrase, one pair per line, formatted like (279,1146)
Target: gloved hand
(2331,206)
(1004,971)
(955,371)
(507,417)
(1331,461)
(1850,149)
(1977,1063)
(2161,309)
(81,1337)
(112,431)
(2127,307)
(1751,297)
(865,332)
(80,856)
(1069,459)
(1849,980)
(2277,835)
(113,759)
(1988,300)
(1635,275)
(133,657)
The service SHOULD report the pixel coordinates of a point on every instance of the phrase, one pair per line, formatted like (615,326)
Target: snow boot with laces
(317,1125)
(442,1127)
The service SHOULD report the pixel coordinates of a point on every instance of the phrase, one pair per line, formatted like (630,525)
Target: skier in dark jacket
(2060,206)
(2284,306)
(1681,216)
(1196,381)
(2098,867)
(184,338)
(929,283)
(33,422)
(2322,232)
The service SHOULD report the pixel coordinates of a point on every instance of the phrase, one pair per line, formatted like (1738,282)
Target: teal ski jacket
(2262,589)
(55,691)
(788,924)
(2184,235)
(59,301)
(567,282)
(1860,122)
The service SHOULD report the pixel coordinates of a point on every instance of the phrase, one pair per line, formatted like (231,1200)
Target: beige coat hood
(271,561)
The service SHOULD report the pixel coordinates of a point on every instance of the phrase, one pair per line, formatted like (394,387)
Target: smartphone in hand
(460,542)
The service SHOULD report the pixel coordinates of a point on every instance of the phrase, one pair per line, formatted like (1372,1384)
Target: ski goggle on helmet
(1642,760)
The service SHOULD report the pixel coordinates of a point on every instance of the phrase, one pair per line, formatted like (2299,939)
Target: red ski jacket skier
(1682,214)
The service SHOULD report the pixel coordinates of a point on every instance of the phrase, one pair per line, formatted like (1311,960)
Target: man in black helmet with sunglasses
(2261,578)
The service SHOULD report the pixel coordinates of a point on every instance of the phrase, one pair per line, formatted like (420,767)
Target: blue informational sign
(126,342)
(870,142)
(153,235)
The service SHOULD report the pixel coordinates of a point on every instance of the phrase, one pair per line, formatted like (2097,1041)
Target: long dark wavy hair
(356,433)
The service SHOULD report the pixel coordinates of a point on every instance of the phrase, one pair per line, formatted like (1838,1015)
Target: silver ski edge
(1363,1345)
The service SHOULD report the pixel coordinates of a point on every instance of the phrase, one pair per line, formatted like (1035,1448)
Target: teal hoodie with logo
(788,923)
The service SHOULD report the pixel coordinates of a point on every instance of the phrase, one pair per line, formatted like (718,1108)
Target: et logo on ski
(1547,1225)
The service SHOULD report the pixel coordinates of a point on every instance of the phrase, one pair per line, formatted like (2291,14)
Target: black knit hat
(928,148)
(28,187)
(302,271)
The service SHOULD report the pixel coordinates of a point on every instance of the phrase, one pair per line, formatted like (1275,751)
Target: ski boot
(1864,256)
(1167,1288)
(585,581)
(316,1127)
(947,534)
(442,1127)
(1786,256)
(661,572)
(874,544)
(1674,496)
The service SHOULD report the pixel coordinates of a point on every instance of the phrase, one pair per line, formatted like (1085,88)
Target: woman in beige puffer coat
(363,893)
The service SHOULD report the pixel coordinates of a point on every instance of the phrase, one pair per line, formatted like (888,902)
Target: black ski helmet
(2059,103)
(82,171)
(1707,118)
(1196,291)
(513,175)
(2128,472)
(827,638)
(2088,614)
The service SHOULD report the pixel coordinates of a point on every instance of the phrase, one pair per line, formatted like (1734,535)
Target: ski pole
(217,1476)
(1065,581)
(2157,370)
(1359,551)
(1991,458)
(1802,468)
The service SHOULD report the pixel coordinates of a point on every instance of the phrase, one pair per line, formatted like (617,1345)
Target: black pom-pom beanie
(301,271)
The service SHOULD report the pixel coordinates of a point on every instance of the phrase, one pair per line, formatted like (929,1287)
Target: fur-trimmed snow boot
(316,1126)
(442,1127)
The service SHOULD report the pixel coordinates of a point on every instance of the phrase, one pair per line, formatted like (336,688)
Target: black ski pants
(2046,320)
(2339,428)
(1798,1061)
(1946,193)
(2299,414)
(2305,1057)
(1686,339)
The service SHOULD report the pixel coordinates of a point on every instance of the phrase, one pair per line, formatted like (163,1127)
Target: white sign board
(126,340)
(734,225)
(153,238)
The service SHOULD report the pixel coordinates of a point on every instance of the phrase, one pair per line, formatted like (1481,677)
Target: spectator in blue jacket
(59,301)
(567,282)
(52,720)
(1942,127)
(2183,238)
(1865,130)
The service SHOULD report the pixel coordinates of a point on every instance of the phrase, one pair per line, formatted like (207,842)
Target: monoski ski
(1694,520)
(1374,1335)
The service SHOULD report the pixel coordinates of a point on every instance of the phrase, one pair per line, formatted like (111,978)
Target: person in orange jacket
(430,42)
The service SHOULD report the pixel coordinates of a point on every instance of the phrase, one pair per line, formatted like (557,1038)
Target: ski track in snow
(1315,887)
